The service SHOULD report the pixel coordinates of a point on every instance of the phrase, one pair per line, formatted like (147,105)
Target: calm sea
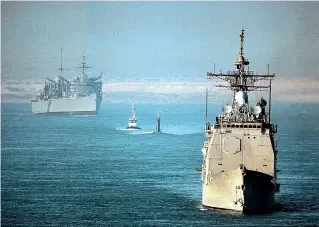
(89,171)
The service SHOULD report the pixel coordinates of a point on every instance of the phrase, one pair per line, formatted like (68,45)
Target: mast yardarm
(83,67)
(240,79)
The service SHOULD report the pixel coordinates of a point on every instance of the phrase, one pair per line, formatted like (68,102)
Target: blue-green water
(88,171)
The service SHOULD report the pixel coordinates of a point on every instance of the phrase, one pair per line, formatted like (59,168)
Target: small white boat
(132,121)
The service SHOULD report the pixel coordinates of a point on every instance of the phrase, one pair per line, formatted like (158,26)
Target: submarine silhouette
(158,124)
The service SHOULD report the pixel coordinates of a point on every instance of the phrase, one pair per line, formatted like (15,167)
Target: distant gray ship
(81,96)
(239,156)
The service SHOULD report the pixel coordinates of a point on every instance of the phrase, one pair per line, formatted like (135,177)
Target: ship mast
(242,80)
(83,67)
(133,110)
(61,69)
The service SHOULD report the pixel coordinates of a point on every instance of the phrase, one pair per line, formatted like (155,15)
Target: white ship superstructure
(81,96)
(239,155)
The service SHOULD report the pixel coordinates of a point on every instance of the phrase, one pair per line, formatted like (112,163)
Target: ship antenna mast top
(241,80)
(61,69)
(240,63)
(241,41)
(83,67)
(133,110)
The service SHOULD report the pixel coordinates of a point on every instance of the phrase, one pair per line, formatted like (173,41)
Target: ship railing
(208,128)
(222,119)
(251,125)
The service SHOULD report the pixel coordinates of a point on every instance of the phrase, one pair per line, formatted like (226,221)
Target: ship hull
(87,105)
(248,191)
(130,127)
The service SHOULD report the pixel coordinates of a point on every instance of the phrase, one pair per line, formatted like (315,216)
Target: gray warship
(81,96)
(239,156)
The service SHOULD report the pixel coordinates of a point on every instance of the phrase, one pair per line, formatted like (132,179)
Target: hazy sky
(158,51)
